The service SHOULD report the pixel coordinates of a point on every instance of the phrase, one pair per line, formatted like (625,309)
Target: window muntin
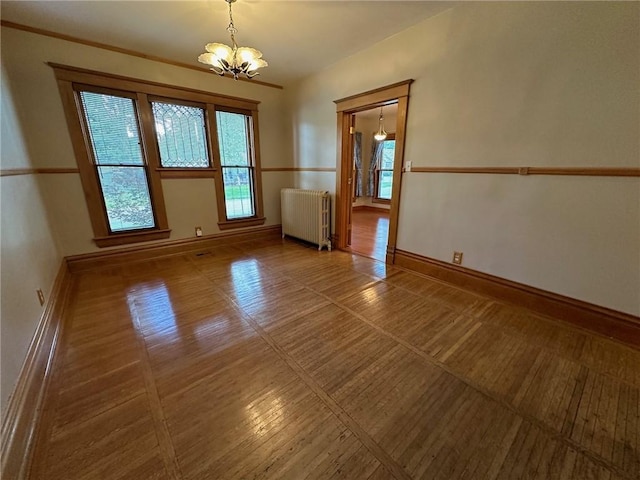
(180,135)
(236,163)
(384,172)
(112,126)
(72,81)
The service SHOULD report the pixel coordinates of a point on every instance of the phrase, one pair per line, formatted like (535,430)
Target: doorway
(388,179)
(373,159)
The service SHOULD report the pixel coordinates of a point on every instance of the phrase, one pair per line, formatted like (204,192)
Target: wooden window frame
(376,177)
(69,79)
(258,218)
(185,172)
(80,136)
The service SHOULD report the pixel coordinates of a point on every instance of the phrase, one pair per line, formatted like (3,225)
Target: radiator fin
(306,214)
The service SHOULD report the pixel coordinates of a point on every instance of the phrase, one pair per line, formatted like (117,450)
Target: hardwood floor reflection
(370,232)
(273,360)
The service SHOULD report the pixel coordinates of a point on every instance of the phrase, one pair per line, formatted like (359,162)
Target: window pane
(233,138)
(236,161)
(181,135)
(386,182)
(113,128)
(126,197)
(238,192)
(388,151)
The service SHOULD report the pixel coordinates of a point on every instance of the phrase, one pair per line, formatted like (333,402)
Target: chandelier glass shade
(232,59)
(381,134)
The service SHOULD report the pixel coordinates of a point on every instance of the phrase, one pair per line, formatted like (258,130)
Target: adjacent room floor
(370,232)
(274,360)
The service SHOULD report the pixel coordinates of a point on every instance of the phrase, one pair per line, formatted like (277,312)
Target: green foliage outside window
(117,153)
(233,138)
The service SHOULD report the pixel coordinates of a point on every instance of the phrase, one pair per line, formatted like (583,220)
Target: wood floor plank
(97,396)
(362,464)
(272,360)
(369,232)
(117,440)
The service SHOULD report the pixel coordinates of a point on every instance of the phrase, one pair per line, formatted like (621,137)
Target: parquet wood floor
(370,233)
(272,360)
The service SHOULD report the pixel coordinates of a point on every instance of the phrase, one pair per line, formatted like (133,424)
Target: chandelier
(381,135)
(234,60)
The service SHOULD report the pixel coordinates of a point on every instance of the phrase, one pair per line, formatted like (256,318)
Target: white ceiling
(297,38)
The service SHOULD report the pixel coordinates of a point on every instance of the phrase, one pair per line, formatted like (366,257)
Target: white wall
(189,202)
(28,254)
(508,84)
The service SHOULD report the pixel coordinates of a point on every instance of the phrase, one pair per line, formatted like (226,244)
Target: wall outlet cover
(457,258)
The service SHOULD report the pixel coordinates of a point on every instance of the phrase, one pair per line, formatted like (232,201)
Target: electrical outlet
(198,231)
(407,166)
(457,258)
(40,296)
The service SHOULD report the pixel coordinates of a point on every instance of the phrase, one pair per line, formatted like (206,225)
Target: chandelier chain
(231,27)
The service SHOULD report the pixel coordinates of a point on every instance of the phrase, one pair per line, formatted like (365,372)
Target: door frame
(345,108)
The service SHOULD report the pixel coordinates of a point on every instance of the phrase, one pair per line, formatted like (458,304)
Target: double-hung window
(123,191)
(384,170)
(129,136)
(111,121)
(235,143)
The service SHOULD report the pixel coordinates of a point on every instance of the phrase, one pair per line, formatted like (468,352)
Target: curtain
(376,158)
(357,159)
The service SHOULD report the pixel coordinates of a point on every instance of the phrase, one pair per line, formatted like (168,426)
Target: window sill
(381,200)
(131,237)
(186,172)
(241,223)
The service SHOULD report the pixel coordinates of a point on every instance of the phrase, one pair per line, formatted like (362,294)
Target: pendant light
(381,135)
